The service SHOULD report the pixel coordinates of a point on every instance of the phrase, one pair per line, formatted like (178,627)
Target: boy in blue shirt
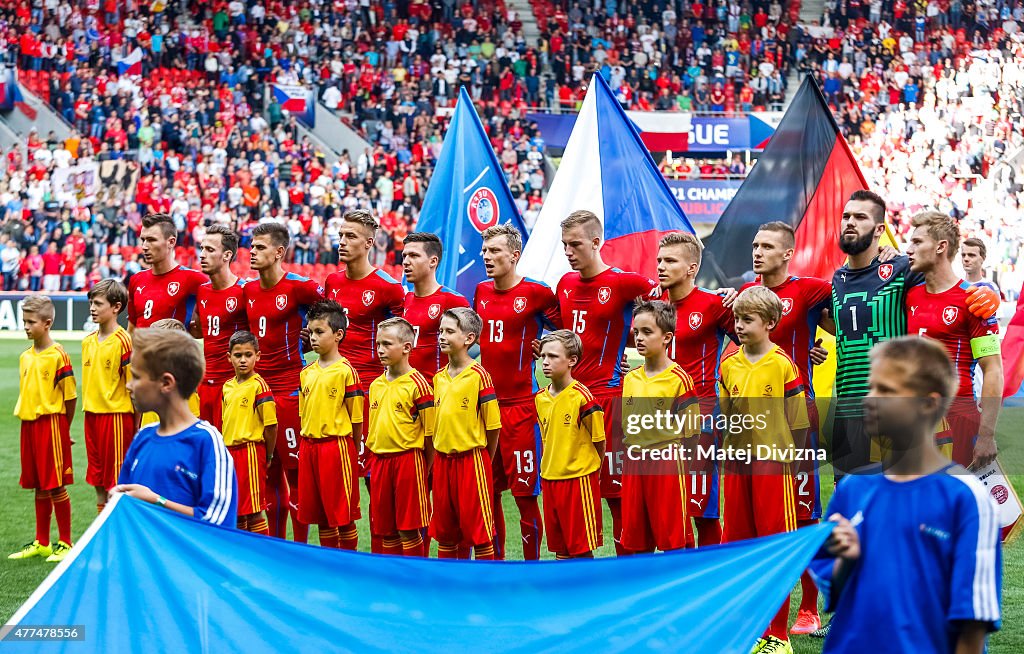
(181,463)
(915,563)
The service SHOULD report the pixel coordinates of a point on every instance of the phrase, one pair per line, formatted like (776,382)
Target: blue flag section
(467,194)
(142,574)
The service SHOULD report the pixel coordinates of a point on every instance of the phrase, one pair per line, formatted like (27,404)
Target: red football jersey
(702,325)
(513,319)
(425,315)
(367,302)
(276,315)
(803,298)
(600,311)
(944,316)
(170,295)
(219,315)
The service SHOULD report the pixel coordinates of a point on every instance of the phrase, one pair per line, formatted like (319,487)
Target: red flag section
(1013,353)
(803,177)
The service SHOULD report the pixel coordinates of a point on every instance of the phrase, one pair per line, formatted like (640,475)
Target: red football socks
(393,545)
(709,531)
(499,527)
(532,527)
(62,511)
(615,508)
(44,506)
(329,537)
(349,536)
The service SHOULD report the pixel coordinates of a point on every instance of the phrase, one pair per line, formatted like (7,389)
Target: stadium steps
(810,10)
(531,31)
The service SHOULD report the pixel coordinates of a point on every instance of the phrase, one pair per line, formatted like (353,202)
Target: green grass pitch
(19,578)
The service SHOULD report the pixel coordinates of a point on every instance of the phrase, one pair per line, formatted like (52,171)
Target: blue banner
(702,200)
(702,133)
(142,574)
(467,194)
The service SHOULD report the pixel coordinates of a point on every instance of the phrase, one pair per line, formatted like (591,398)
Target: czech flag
(607,169)
(131,64)
(467,194)
(803,178)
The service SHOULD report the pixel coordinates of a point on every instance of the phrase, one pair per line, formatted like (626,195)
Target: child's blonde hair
(39,305)
(401,326)
(170,324)
(759,301)
(570,342)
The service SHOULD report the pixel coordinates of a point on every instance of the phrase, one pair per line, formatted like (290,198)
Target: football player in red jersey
(514,311)
(369,296)
(596,302)
(703,323)
(938,309)
(428,300)
(165,290)
(805,303)
(220,312)
(276,308)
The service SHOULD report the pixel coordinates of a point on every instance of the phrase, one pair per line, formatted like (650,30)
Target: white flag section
(577,185)
(605,169)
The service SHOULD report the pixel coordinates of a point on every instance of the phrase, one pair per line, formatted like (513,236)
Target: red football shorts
(328,488)
(572,514)
(251,470)
(614,455)
(287,430)
(211,401)
(758,500)
(46,453)
(964,422)
(107,437)
(805,472)
(398,495)
(654,506)
(702,478)
(463,488)
(518,461)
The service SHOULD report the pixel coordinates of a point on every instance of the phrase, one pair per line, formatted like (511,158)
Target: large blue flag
(466,195)
(142,574)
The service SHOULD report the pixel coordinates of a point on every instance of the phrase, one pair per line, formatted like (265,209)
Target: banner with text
(704,200)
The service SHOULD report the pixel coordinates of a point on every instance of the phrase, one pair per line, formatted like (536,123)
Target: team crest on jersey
(885,271)
(281,301)
(949,315)
(604,294)
(368,298)
(519,304)
(231,304)
(787,305)
(483,208)
(696,319)
(172,288)
(434,311)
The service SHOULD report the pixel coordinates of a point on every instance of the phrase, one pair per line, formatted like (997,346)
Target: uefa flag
(606,169)
(467,194)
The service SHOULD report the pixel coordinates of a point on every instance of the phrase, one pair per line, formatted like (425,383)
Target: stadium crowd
(193,129)
(932,102)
